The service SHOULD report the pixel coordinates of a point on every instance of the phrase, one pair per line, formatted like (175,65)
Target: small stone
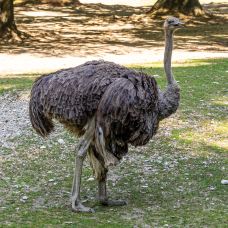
(144,186)
(224,181)
(43,147)
(212,188)
(24,197)
(51,180)
(90,179)
(61,141)
(166,163)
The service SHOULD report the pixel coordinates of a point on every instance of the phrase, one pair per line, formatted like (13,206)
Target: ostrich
(109,107)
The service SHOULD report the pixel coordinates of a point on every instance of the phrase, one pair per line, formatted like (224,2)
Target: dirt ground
(63,37)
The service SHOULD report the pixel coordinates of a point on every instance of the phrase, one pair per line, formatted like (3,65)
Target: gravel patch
(14,118)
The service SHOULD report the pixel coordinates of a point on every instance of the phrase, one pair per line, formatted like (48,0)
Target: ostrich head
(172,23)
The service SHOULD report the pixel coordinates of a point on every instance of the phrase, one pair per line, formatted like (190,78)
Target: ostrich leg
(77,206)
(103,198)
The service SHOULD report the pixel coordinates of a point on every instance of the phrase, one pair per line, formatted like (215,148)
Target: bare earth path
(26,63)
(64,37)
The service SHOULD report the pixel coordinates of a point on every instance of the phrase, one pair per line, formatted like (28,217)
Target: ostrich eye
(171,21)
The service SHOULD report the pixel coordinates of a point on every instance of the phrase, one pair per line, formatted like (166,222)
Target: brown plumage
(111,106)
(123,101)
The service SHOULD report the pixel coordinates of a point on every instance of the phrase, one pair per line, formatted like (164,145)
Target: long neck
(168,56)
(169,99)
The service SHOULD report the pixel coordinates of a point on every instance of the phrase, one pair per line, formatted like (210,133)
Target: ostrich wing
(73,95)
(127,112)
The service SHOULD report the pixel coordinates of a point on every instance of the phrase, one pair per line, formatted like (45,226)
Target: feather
(124,103)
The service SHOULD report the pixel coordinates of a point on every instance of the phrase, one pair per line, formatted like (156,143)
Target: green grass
(15,82)
(174,181)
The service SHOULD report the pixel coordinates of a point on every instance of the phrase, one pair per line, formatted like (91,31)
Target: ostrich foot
(81,208)
(106,202)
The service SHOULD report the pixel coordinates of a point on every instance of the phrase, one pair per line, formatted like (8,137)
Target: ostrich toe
(81,208)
(113,202)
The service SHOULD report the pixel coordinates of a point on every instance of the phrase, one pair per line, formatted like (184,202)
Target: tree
(187,7)
(8,28)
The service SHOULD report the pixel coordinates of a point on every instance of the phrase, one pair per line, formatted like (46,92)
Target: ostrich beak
(181,24)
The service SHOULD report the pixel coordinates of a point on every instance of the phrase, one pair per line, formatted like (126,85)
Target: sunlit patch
(220,35)
(121,2)
(176,63)
(5,87)
(16,76)
(223,101)
(209,133)
(44,14)
(222,143)
(188,63)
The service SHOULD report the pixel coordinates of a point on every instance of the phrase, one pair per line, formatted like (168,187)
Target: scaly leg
(103,198)
(77,206)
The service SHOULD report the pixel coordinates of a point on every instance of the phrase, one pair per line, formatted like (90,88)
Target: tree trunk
(8,28)
(187,7)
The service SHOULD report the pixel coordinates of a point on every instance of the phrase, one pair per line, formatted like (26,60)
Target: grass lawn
(173,181)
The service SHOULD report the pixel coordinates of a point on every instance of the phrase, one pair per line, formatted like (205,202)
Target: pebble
(212,188)
(224,181)
(23,199)
(43,147)
(61,141)
(144,186)
(90,179)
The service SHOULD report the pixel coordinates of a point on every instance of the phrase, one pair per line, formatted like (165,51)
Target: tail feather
(41,123)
